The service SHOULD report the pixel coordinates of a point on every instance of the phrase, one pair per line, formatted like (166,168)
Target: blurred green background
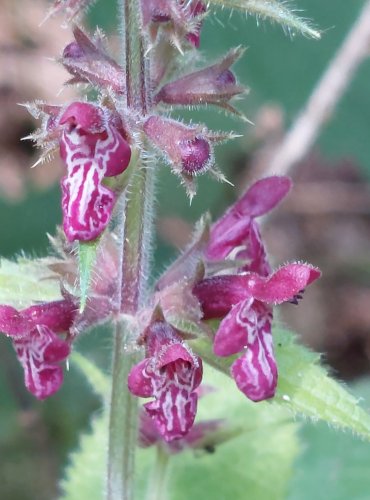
(35,437)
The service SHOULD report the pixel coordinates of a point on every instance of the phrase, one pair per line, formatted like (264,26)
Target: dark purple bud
(226,78)
(187,148)
(196,155)
(73,50)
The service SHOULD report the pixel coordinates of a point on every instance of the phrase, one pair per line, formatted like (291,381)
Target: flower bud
(87,61)
(180,20)
(215,84)
(187,148)
(196,9)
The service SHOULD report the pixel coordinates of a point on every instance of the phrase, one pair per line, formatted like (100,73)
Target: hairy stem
(158,481)
(135,222)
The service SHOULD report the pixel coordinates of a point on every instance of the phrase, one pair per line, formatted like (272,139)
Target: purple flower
(39,349)
(92,147)
(244,304)
(171,374)
(236,235)
(195,438)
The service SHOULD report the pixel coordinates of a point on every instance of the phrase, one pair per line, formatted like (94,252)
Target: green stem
(135,228)
(157,485)
(122,422)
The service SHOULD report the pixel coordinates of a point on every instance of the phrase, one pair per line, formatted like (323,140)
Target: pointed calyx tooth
(87,61)
(214,84)
(187,148)
(179,21)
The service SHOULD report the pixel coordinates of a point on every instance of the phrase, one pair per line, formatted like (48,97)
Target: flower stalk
(158,481)
(135,221)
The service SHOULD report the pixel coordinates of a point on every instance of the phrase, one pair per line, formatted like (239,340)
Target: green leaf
(256,464)
(274,11)
(332,465)
(26,281)
(236,466)
(87,251)
(85,472)
(98,380)
(304,386)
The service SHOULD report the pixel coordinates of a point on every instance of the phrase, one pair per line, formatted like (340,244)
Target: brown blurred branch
(325,97)
(328,197)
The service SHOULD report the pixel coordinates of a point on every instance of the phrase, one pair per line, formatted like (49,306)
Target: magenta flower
(92,146)
(236,235)
(244,304)
(195,438)
(170,373)
(197,9)
(39,349)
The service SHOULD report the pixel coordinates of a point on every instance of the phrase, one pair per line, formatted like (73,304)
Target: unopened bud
(87,62)
(187,148)
(215,84)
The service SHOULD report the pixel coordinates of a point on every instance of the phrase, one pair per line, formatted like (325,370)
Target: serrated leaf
(310,389)
(304,387)
(26,281)
(85,472)
(274,11)
(87,251)
(238,468)
(332,466)
(98,380)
